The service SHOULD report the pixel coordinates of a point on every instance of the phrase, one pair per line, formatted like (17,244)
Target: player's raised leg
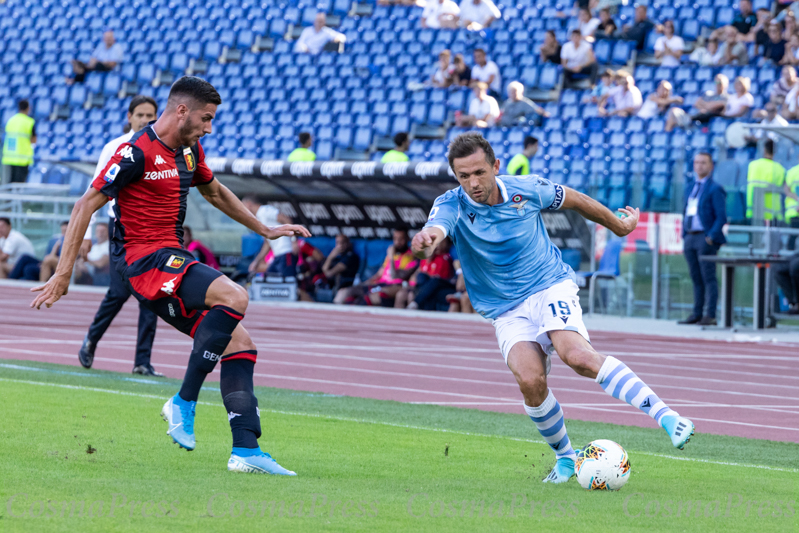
(528,364)
(619,381)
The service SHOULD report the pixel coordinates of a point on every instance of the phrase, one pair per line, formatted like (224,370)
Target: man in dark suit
(704,214)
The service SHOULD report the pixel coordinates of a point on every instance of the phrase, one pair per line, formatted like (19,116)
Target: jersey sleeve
(203,174)
(444,214)
(544,194)
(125,167)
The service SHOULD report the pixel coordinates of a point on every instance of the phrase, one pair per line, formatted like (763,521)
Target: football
(602,465)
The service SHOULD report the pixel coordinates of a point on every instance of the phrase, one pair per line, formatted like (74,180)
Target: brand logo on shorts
(231,415)
(189,157)
(175,261)
(171,310)
(169,286)
(126,152)
(159,160)
(111,173)
(210,356)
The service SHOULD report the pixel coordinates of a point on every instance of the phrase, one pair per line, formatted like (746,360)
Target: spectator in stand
(105,57)
(397,269)
(640,28)
(20,136)
(787,276)
(439,14)
(550,50)
(93,268)
(705,54)
(198,249)
(708,106)
(790,26)
(459,301)
(313,39)
(483,109)
(669,47)
(588,24)
(607,27)
(518,110)
(659,102)
(269,216)
(50,260)
(767,117)
(625,97)
(731,51)
(28,267)
(519,165)
(402,142)
(304,152)
(577,58)
(486,71)
(462,73)
(478,14)
(308,267)
(13,245)
(742,101)
(601,89)
(442,71)
(774,50)
(745,19)
(790,109)
(791,56)
(784,85)
(432,283)
(341,265)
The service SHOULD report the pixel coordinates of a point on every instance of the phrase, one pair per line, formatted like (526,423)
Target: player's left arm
(223,199)
(589,208)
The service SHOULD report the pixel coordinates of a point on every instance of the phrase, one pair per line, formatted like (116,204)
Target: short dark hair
(400,138)
(479,50)
(65,223)
(195,88)
(529,141)
(706,154)
(576,31)
(6,220)
(23,105)
(304,137)
(768,146)
(251,198)
(401,228)
(140,99)
(467,144)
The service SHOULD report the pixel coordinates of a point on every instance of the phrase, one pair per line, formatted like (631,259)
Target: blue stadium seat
(363,138)
(602,51)
(622,51)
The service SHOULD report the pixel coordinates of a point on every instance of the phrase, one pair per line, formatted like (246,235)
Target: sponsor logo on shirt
(189,157)
(159,160)
(126,152)
(111,173)
(161,174)
(175,261)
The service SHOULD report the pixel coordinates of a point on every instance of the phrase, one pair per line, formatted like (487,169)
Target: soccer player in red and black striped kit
(150,177)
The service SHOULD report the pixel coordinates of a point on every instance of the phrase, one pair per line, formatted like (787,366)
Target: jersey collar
(502,191)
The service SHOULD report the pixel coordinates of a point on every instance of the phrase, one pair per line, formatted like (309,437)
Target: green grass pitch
(87,451)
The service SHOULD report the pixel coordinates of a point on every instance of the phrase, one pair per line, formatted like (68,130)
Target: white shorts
(554,309)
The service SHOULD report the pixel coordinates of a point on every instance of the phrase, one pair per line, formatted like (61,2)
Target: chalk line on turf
(380,423)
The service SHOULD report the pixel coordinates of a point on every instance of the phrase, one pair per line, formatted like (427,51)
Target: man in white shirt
(487,72)
(314,38)
(440,14)
(141,111)
(771,118)
(281,247)
(13,245)
(625,97)
(483,109)
(478,14)
(105,57)
(669,47)
(577,58)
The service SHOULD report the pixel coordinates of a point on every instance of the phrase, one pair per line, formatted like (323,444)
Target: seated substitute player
(149,177)
(516,278)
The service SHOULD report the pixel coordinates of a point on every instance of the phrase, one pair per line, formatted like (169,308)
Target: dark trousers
(787,276)
(703,274)
(18,174)
(793,224)
(81,69)
(26,267)
(590,72)
(115,298)
(431,292)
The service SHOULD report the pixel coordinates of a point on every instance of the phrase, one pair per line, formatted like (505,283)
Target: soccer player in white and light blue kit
(516,278)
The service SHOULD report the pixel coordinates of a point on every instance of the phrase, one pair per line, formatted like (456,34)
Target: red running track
(744,389)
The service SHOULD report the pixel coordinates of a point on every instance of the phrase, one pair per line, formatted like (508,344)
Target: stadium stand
(353,102)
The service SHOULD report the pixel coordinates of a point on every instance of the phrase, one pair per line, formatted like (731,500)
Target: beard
(186,132)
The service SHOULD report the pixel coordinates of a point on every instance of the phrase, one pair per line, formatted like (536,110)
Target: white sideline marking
(379,423)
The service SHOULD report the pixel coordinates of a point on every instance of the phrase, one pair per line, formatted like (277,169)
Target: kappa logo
(171,310)
(111,173)
(169,286)
(126,152)
(175,261)
(159,160)
(472,216)
(231,415)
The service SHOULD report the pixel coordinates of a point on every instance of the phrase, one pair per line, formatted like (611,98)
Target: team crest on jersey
(175,261)
(111,173)
(189,157)
(126,152)
(159,160)
(518,203)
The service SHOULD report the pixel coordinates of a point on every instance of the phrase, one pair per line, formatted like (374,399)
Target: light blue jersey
(505,251)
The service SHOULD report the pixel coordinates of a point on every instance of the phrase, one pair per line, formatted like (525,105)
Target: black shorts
(172,284)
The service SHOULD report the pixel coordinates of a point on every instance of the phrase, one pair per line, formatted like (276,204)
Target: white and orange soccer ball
(602,465)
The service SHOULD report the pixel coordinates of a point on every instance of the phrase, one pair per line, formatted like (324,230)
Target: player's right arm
(441,223)
(425,242)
